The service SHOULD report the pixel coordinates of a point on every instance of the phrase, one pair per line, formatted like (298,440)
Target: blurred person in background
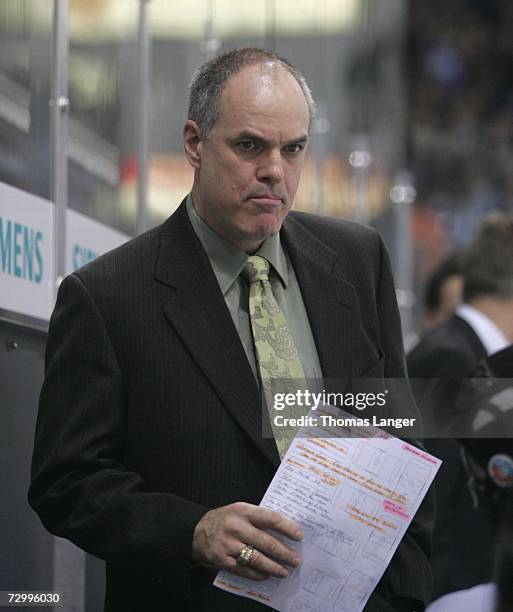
(487,454)
(483,323)
(149,450)
(443,291)
(445,356)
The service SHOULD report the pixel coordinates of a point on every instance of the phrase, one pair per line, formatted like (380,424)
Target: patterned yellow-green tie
(278,360)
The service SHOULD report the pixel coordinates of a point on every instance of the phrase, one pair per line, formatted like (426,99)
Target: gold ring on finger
(245,555)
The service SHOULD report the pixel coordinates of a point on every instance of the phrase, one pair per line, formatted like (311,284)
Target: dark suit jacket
(462,542)
(449,351)
(150,413)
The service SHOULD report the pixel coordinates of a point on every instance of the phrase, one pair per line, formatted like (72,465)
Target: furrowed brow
(245,135)
(300,140)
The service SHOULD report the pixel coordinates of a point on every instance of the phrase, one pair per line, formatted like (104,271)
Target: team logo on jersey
(500,470)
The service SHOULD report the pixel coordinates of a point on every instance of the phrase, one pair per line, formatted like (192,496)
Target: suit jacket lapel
(472,339)
(198,312)
(329,300)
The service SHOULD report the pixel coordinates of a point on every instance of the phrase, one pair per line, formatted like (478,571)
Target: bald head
(247,170)
(210,79)
(263,93)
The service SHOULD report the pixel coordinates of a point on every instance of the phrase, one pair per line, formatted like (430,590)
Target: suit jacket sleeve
(408,577)
(80,487)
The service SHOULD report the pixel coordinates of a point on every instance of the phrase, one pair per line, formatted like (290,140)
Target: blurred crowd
(462,376)
(459,58)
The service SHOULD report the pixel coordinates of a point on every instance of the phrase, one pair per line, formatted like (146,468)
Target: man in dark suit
(149,450)
(441,361)
(487,454)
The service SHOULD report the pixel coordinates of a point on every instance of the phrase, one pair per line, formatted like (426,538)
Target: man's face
(247,170)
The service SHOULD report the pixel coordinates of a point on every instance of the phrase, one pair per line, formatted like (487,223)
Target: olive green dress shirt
(227,262)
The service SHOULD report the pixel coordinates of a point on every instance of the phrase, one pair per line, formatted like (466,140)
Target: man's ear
(192,143)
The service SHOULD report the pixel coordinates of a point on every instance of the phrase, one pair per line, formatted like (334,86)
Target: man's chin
(264,232)
(264,228)
(250,241)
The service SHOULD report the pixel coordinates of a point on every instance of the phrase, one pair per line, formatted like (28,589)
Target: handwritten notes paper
(354,492)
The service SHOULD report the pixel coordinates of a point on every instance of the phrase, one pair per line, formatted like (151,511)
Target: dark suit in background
(150,413)
(462,542)
(449,351)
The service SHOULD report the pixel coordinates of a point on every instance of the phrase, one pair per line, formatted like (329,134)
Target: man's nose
(271,168)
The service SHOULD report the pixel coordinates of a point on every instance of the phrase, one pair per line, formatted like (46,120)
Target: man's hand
(222,533)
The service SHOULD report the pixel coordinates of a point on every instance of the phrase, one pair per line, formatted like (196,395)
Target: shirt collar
(226,259)
(490,335)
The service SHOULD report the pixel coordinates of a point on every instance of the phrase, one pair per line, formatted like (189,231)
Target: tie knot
(256,269)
